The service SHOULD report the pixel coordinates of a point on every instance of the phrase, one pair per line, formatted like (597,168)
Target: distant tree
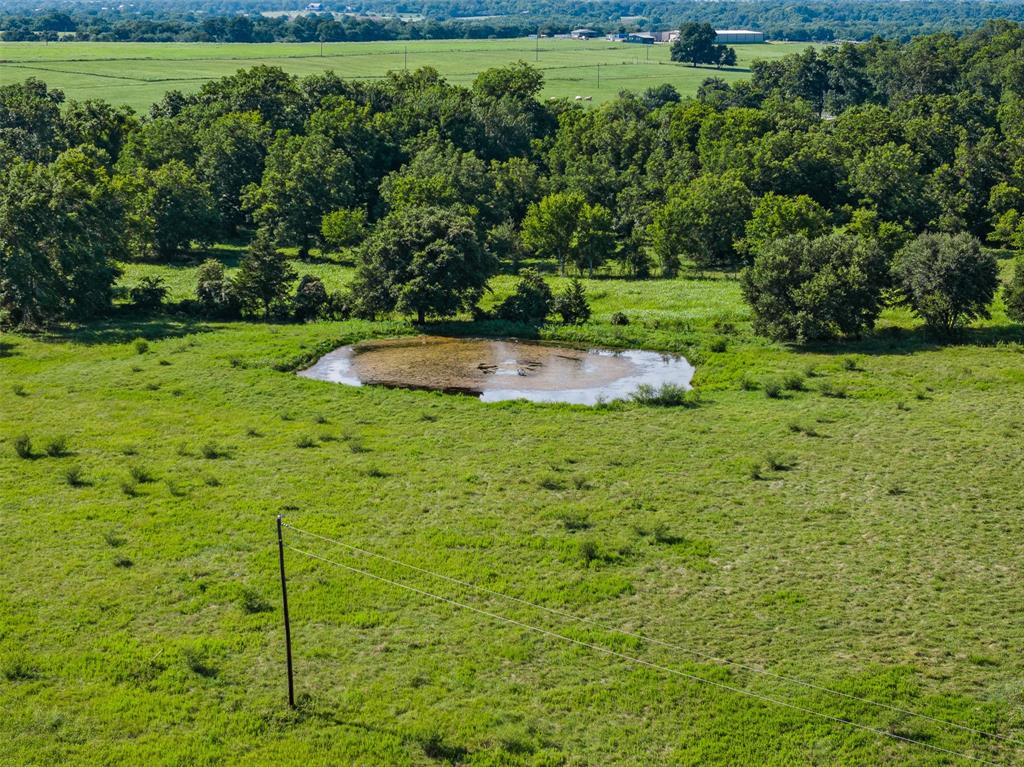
(530,302)
(519,81)
(1013,293)
(504,245)
(724,56)
(149,293)
(216,293)
(947,279)
(695,44)
(564,226)
(887,176)
(231,155)
(423,260)
(61,232)
(776,216)
(99,124)
(30,119)
(343,228)
(801,289)
(658,96)
(264,275)
(572,304)
(701,221)
(593,241)
(168,209)
(441,175)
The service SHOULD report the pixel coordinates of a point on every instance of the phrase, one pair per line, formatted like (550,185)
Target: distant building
(668,36)
(583,34)
(315,7)
(724,36)
(644,38)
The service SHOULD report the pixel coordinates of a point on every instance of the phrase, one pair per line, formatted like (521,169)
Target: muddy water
(500,369)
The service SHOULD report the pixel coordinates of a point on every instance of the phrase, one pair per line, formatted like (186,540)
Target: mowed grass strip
(868,542)
(139,74)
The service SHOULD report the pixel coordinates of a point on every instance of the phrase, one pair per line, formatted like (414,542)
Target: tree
(550,224)
(149,293)
(695,44)
(724,56)
(801,289)
(701,221)
(887,177)
(167,210)
(30,119)
(98,123)
(947,279)
(231,155)
(530,302)
(592,242)
(61,232)
(572,304)
(776,216)
(310,298)
(1013,294)
(216,294)
(264,275)
(421,260)
(344,228)
(304,178)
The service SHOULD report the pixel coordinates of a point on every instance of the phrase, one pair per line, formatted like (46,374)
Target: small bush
(252,602)
(588,551)
(57,447)
(122,562)
(305,441)
(140,474)
(19,390)
(23,446)
(829,389)
(531,301)
(148,294)
(747,383)
(850,363)
(212,451)
(618,318)
(310,299)
(718,345)
(113,540)
(774,462)
(666,395)
(794,382)
(141,345)
(773,389)
(215,292)
(74,476)
(130,488)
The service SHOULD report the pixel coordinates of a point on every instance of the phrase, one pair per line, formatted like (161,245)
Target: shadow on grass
(481,329)
(121,330)
(897,341)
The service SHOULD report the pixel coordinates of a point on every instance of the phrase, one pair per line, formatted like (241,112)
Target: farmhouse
(738,36)
(644,38)
(583,34)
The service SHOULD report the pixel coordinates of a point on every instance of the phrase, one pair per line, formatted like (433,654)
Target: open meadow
(138,74)
(861,531)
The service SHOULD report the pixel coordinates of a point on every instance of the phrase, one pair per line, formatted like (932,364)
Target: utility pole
(287,623)
(598,75)
(537,55)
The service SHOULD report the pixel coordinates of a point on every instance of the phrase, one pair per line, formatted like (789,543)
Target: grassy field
(868,541)
(140,73)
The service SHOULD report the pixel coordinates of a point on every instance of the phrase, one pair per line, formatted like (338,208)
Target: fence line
(640,661)
(662,643)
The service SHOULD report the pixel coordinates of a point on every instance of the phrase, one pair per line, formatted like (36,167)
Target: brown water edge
(500,369)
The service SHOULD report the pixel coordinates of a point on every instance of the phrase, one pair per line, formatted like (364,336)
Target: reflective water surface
(500,369)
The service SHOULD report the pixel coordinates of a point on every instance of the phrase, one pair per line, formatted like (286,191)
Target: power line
(662,643)
(649,664)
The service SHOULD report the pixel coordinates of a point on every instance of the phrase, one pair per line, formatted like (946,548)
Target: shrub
(216,294)
(1013,293)
(801,289)
(148,294)
(718,345)
(850,363)
(252,602)
(310,298)
(618,318)
(140,474)
(343,228)
(666,395)
(747,383)
(829,389)
(530,302)
(122,562)
(57,447)
(23,446)
(74,476)
(213,451)
(141,346)
(305,442)
(572,304)
(588,551)
(947,279)
(794,382)
(772,389)
(19,390)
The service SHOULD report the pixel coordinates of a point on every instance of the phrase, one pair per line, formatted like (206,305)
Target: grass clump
(305,441)
(831,390)
(75,477)
(794,382)
(140,474)
(130,488)
(141,345)
(19,390)
(773,389)
(57,447)
(23,446)
(666,395)
(212,451)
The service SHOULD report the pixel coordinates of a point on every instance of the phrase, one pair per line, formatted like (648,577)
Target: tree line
(835,179)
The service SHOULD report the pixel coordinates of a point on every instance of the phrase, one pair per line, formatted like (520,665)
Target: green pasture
(138,74)
(862,532)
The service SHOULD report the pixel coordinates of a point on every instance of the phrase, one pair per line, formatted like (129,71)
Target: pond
(504,369)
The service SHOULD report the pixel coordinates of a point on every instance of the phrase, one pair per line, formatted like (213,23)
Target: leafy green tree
(1013,293)
(344,228)
(99,124)
(231,154)
(801,289)
(149,293)
(310,298)
(658,96)
(550,224)
(156,143)
(304,178)
(695,44)
(530,302)
(572,304)
(30,119)
(887,177)
(776,216)
(421,260)
(947,279)
(592,241)
(724,56)
(519,81)
(264,276)
(168,209)
(440,175)
(61,232)
(269,91)
(701,221)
